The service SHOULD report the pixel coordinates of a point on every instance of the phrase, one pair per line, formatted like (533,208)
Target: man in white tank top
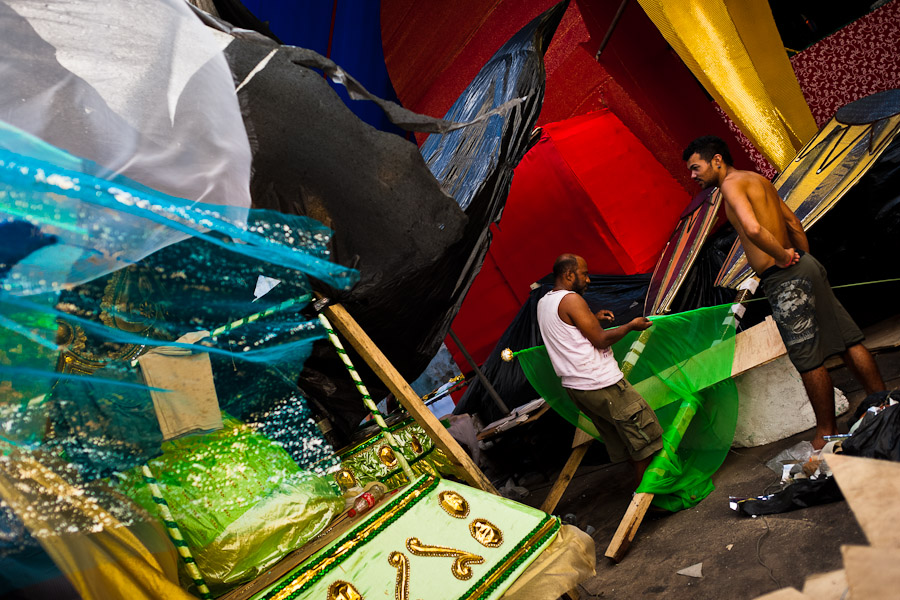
(579,349)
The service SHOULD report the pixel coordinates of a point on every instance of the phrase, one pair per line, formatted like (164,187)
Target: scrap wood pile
(873,571)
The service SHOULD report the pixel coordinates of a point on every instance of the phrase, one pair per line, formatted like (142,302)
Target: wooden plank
(628,527)
(581,438)
(565,476)
(756,346)
(375,358)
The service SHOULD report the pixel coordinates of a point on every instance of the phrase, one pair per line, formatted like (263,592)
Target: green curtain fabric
(684,373)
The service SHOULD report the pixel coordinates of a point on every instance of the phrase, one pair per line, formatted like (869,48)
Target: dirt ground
(741,557)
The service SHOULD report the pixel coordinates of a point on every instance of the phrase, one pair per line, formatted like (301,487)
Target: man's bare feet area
(819,441)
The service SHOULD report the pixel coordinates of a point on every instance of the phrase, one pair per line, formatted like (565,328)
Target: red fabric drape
(588,186)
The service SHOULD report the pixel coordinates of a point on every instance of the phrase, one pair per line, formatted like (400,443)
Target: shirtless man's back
(750,196)
(812,323)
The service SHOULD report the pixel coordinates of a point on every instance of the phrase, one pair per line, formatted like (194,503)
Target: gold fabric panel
(734,49)
(104,561)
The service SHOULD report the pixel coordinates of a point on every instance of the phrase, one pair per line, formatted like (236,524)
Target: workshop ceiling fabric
(588,186)
(734,49)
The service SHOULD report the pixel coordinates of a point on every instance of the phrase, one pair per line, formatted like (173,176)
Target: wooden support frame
(388,374)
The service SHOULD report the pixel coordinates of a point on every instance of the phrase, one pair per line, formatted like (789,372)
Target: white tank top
(578,363)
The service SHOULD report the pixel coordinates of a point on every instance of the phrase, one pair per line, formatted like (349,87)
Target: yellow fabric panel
(102,558)
(735,51)
(568,560)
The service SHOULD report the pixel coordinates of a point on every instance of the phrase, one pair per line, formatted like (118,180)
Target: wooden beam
(565,476)
(628,527)
(375,358)
(581,437)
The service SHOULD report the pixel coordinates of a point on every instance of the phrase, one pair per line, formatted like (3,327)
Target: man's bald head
(565,263)
(570,273)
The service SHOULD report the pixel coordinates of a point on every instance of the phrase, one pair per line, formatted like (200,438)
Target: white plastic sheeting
(140,87)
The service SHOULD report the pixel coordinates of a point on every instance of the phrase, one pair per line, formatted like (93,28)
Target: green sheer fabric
(684,373)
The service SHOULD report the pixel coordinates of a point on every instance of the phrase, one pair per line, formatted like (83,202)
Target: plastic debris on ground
(805,481)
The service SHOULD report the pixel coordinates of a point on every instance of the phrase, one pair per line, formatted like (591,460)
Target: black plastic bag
(878,436)
(800,494)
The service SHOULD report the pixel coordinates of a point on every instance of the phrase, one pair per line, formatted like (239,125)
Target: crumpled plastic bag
(239,499)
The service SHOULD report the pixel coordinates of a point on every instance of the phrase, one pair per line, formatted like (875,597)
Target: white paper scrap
(264,285)
(693,570)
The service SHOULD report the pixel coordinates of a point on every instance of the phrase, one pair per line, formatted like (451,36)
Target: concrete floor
(742,557)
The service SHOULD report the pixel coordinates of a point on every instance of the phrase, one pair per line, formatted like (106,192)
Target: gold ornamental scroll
(734,49)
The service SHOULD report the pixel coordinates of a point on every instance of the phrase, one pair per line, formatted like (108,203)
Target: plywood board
(756,346)
(872,573)
(785,594)
(826,586)
(871,488)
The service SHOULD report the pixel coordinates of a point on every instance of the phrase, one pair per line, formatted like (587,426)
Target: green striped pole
(367,399)
(634,353)
(251,318)
(172,528)
(256,316)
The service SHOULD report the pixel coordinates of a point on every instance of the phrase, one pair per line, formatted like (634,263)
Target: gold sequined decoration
(486,533)
(399,561)
(345,479)
(460,567)
(453,504)
(341,590)
(415,444)
(387,456)
(131,291)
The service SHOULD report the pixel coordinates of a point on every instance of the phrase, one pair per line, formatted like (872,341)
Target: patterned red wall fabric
(861,59)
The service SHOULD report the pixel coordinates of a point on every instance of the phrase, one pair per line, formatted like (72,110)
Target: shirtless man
(812,322)
(579,349)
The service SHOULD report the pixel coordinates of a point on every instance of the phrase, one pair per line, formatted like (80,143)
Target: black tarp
(622,294)
(417,251)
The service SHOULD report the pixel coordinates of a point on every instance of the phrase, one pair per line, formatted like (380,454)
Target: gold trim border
(350,545)
(501,570)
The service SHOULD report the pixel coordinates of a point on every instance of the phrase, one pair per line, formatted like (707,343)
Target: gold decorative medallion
(453,504)
(415,444)
(387,456)
(345,479)
(486,533)
(341,590)
(460,567)
(399,561)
